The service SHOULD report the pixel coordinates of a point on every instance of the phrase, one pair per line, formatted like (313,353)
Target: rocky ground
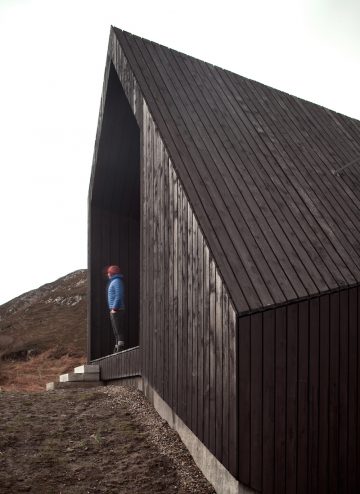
(103,440)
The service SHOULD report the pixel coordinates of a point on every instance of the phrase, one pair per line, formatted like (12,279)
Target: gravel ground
(104,440)
(160,434)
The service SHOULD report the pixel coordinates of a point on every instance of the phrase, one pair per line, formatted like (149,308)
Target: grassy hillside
(43,333)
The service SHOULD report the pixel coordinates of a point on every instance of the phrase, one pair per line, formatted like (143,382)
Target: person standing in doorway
(116,304)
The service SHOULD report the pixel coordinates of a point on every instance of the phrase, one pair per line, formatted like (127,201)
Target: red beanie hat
(112,270)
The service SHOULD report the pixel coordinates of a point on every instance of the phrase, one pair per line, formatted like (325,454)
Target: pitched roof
(256,165)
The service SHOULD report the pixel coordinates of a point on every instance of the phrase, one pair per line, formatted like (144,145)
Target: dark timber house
(240,250)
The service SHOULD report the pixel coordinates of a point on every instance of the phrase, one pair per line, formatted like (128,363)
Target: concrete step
(73,385)
(84,376)
(87,369)
(73,376)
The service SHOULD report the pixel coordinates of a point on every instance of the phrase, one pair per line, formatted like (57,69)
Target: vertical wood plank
(268,400)
(244,390)
(189,345)
(324,393)
(138,104)
(185,299)
(212,329)
(334,394)
(343,390)
(195,325)
(171,320)
(165,270)
(146,247)
(162,279)
(256,431)
(107,341)
(160,275)
(175,294)
(353,409)
(303,366)
(314,362)
(226,381)
(155,259)
(218,365)
(206,347)
(280,400)
(151,252)
(234,409)
(181,366)
(156,262)
(201,340)
(95,315)
(291,393)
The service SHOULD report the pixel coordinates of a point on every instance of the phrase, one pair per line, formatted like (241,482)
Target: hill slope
(43,333)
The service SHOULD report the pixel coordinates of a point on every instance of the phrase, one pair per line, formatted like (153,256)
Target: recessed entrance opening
(114,210)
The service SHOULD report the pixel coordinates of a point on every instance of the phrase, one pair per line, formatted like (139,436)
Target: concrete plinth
(221,479)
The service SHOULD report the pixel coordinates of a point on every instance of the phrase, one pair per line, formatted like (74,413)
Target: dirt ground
(104,440)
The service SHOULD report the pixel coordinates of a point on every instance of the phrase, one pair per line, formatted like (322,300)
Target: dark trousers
(117,324)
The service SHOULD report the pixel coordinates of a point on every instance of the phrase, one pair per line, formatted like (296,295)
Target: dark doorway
(114,219)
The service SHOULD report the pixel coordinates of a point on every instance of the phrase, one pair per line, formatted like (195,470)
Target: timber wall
(121,365)
(299,396)
(188,336)
(188,322)
(274,395)
(114,217)
(115,240)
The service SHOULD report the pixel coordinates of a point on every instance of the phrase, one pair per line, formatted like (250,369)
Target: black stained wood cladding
(206,396)
(233,393)
(354,453)
(324,366)
(268,419)
(200,330)
(186,313)
(333,429)
(246,434)
(256,404)
(189,366)
(292,397)
(314,380)
(300,362)
(114,217)
(120,365)
(214,194)
(280,402)
(256,165)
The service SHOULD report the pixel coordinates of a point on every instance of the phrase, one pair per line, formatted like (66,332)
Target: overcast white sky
(52,59)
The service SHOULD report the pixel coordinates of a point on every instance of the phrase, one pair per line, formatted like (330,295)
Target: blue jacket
(115,292)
